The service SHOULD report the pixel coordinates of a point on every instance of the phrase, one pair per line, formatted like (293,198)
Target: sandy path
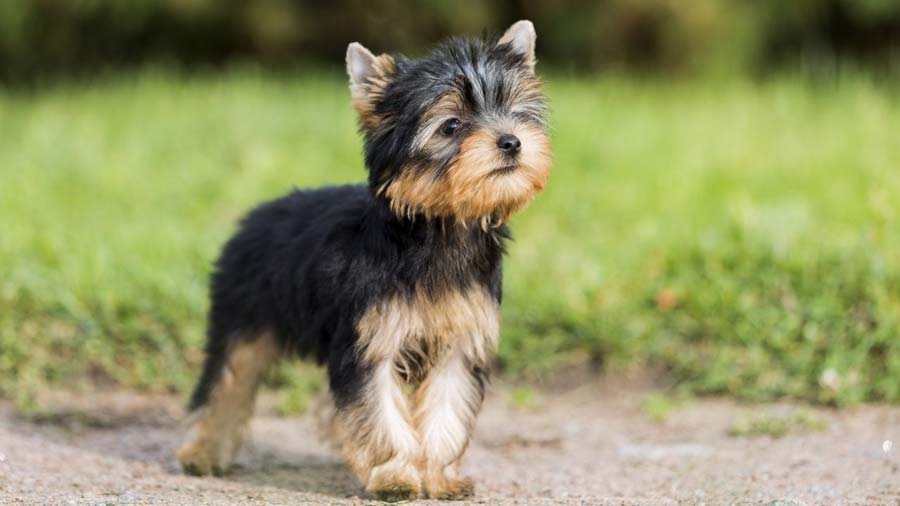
(588,446)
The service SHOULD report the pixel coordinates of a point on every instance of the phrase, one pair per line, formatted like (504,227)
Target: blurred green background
(723,211)
(49,37)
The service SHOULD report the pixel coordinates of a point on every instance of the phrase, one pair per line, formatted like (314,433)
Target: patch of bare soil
(592,445)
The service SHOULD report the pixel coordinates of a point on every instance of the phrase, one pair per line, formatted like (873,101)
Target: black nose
(509,144)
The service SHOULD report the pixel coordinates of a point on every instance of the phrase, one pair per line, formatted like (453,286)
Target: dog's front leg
(378,438)
(447,403)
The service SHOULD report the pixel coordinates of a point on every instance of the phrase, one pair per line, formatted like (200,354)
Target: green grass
(742,237)
(776,424)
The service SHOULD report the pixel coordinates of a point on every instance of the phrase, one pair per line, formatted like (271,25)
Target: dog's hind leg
(223,401)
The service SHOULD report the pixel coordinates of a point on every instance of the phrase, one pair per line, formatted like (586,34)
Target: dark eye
(450,126)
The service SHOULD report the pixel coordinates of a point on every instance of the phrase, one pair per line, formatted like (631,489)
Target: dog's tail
(213,365)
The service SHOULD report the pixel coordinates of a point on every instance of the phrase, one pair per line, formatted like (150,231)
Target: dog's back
(268,274)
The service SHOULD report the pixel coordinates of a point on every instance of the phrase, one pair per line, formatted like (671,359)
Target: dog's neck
(448,231)
(442,251)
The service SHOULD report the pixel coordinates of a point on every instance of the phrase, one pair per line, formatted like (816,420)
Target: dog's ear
(521,38)
(360,65)
(369,75)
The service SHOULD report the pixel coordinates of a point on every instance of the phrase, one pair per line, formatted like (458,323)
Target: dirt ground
(591,445)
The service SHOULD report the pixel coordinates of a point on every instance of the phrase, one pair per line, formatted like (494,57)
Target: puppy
(394,285)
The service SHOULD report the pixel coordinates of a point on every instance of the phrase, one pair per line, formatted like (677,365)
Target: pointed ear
(369,76)
(521,38)
(360,64)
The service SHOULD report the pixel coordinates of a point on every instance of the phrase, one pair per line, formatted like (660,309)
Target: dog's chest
(416,331)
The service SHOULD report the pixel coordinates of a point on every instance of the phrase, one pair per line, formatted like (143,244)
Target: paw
(451,489)
(209,452)
(396,492)
(200,458)
(391,483)
(196,460)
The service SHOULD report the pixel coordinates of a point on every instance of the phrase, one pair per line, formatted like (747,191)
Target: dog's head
(460,133)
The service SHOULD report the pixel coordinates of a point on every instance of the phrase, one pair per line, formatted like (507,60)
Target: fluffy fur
(395,285)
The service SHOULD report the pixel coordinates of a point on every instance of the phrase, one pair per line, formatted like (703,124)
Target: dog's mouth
(502,171)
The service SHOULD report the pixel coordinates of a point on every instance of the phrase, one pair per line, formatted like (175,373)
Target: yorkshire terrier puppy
(394,285)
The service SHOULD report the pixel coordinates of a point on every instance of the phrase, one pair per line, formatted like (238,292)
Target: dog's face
(459,133)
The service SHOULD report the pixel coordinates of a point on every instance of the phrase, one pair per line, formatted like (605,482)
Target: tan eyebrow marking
(449,105)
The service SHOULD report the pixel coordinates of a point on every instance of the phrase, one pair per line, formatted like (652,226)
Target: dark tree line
(54,37)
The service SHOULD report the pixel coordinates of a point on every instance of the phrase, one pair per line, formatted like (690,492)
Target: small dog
(395,285)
